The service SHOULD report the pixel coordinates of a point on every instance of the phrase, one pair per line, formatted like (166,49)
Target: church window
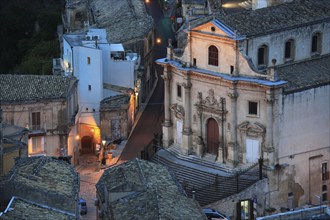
(316,43)
(262,55)
(179,92)
(289,50)
(253,108)
(213,56)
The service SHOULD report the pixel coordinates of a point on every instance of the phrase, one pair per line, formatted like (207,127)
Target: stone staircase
(203,180)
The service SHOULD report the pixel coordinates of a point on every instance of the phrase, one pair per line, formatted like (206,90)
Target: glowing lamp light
(77,137)
(158,40)
(103,142)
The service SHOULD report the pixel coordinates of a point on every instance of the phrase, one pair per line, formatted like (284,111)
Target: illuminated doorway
(245,210)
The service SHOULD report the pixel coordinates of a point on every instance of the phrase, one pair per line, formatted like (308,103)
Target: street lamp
(103,156)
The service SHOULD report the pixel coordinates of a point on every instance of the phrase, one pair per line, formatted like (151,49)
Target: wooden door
(212,136)
(86,145)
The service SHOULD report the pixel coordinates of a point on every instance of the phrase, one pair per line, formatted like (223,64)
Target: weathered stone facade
(45,105)
(117,117)
(249,85)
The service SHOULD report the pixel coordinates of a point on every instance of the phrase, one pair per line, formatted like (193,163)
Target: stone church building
(256,84)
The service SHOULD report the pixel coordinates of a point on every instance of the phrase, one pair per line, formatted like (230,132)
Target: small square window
(253,108)
(324,188)
(179,92)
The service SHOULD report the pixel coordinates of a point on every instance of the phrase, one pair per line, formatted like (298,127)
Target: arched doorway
(212,136)
(86,145)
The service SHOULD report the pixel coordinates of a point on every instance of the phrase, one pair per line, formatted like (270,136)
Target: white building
(101,69)
(256,84)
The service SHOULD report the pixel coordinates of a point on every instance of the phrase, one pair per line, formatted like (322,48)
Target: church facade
(251,85)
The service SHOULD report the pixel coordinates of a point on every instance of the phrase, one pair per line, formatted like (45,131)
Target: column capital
(269,100)
(166,77)
(187,85)
(233,94)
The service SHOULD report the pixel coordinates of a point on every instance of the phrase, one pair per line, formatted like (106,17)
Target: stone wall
(53,121)
(257,192)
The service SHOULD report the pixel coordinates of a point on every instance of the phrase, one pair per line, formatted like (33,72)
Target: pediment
(215,27)
(255,127)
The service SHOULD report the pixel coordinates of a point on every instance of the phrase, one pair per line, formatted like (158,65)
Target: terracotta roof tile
(276,18)
(33,87)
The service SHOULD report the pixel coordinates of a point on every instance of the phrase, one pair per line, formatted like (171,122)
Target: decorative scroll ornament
(178,110)
(255,129)
(210,104)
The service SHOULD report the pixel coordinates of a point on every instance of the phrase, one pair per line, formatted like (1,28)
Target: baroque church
(253,85)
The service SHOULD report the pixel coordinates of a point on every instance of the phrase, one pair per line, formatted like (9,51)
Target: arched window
(289,50)
(262,55)
(316,43)
(213,56)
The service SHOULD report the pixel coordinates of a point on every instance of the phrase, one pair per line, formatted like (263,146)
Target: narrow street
(150,121)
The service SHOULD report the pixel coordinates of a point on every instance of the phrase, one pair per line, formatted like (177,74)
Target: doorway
(179,128)
(252,150)
(86,145)
(245,210)
(212,136)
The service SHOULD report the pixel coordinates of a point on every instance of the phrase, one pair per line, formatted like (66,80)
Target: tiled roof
(46,174)
(15,88)
(276,18)
(19,208)
(124,20)
(114,102)
(306,74)
(152,192)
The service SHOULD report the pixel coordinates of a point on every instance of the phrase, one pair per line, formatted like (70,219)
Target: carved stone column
(186,133)
(167,125)
(200,143)
(232,148)
(269,127)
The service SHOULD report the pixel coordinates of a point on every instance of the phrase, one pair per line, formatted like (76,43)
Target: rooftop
(306,74)
(46,174)
(115,102)
(123,20)
(277,18)
(151,192)
(19,208)
(14,88)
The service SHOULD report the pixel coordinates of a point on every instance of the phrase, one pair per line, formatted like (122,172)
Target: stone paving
(90,172)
